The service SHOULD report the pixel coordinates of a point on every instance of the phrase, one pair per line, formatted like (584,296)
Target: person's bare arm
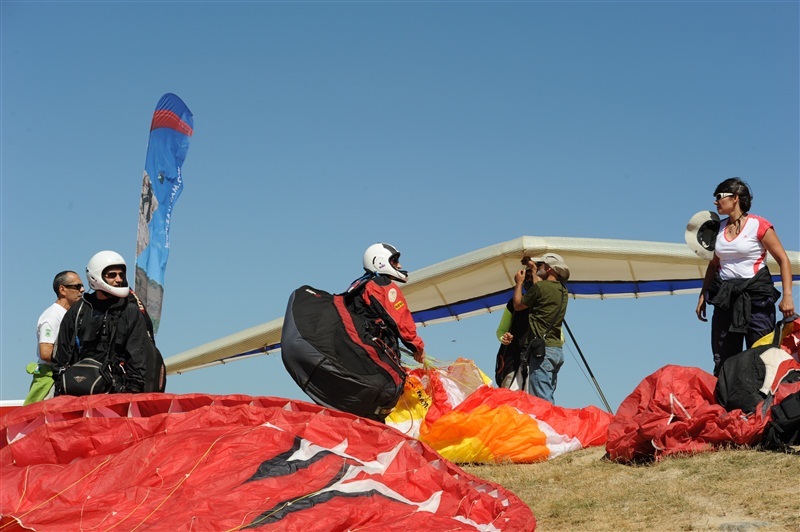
(519,278)
(775,248)
(713,266)
(46,352)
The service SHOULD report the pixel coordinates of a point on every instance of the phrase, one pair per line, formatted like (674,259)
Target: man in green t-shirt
(547,301)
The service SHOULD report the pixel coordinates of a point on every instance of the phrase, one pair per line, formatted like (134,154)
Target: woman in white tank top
(737,282)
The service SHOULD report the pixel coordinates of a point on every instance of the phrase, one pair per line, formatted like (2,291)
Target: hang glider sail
(482,281)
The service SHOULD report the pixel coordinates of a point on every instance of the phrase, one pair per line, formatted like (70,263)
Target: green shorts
(42,385)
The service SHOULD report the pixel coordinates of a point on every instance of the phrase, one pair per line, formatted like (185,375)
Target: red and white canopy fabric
(202,462)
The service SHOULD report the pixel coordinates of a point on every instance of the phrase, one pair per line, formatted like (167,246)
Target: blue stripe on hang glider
(462,307)
(501,298)
(576,288)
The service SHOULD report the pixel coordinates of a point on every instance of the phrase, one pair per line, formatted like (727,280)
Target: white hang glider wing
(482,281)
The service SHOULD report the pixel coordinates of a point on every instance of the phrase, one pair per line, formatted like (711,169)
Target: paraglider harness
(90,375)
(155,378)
(739,384)
(374,326)
(341,352)
(783,429)
(100,374)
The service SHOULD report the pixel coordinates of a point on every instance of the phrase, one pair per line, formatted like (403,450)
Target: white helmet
(98,264)
(378,258)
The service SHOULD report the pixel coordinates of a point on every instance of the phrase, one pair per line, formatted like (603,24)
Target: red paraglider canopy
(202,462)
(675,411)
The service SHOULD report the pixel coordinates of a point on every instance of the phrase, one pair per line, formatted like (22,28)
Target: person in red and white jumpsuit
(381,298)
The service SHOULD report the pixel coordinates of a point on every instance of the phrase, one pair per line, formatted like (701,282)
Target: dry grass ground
(726,490)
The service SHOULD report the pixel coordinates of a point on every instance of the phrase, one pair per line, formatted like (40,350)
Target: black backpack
(155,377)
(740,380)
(783,428)
(90,375)
(97,374)
(338,357)
(741,377)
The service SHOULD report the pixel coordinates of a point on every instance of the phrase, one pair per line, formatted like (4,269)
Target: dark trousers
(725,344)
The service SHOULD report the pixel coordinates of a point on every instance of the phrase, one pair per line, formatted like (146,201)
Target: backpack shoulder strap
(356,287)
(111,338)
(147,319)
(77,317)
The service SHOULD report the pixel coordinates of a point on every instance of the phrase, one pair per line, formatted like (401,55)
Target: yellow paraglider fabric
(487,435)
(466,420)
(411,409)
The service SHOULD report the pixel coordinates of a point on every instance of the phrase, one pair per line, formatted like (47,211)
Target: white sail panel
(483,280)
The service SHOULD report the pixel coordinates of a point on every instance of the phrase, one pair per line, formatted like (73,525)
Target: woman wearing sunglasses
(737,280)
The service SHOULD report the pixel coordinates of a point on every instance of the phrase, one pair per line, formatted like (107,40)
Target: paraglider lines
(180,483)
(101,464)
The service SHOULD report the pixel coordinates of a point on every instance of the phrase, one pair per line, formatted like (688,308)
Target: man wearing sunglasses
(107,326)
(69,289)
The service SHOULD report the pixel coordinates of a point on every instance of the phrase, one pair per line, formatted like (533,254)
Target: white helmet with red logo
(382,258)
(99,264)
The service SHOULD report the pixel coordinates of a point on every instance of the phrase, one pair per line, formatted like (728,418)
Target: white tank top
(743,256)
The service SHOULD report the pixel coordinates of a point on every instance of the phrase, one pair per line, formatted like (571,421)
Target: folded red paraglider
(674,411)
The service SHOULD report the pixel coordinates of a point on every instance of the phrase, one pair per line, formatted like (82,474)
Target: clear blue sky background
(322,127)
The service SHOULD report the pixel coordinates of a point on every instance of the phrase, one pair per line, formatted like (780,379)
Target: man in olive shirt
(547,301)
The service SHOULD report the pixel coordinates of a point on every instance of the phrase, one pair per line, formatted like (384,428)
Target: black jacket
(735,296)
(115,321)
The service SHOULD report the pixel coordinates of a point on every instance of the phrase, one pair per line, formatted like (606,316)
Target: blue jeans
(543,373)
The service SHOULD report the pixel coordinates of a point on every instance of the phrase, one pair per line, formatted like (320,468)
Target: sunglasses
(114,275)
(78,286)
(719,195)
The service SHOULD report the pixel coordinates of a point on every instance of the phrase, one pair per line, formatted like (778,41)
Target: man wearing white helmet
(106,326)
(381,299)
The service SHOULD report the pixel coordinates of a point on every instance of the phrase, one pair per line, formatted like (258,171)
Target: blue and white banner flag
(170,132)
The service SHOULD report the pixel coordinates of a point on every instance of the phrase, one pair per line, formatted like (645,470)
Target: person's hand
(701,308)
(506,338)
(787,306)
(519,277)
(419,356)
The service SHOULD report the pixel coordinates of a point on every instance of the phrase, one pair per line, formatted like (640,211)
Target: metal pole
(597,385)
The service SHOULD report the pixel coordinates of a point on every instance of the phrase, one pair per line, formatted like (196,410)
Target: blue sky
(440,127)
